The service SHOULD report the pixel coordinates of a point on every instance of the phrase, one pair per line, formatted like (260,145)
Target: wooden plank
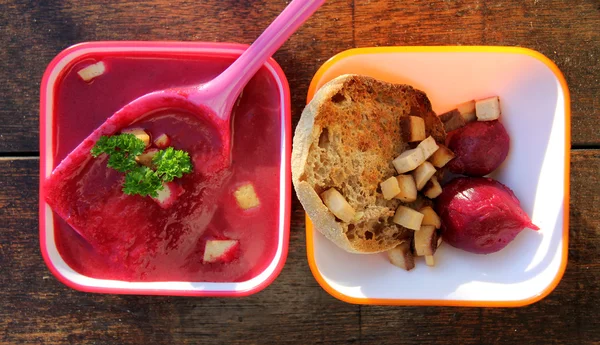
(36,308)
(420,325)
(584,252)
(565,31)
(34,32)
(284,312)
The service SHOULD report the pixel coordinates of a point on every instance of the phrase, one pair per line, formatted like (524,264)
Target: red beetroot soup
(111,235)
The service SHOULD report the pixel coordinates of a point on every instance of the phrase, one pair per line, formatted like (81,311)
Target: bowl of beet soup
(208,233)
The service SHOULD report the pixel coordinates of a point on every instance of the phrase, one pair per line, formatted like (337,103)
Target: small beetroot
(480,215)
(479,148)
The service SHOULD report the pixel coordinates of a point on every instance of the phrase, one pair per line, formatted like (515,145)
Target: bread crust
(381,104)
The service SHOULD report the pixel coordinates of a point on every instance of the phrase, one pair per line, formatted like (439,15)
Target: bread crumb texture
(356,135)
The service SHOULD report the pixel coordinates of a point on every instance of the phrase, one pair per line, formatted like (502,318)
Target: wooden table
(35,308)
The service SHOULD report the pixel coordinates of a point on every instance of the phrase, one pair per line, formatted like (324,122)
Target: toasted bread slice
(346,139)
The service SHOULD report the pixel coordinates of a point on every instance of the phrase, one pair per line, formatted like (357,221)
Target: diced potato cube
(146,158)
(467,111)
(390,188)
(452,120)
(92,71)
(432,188)
(425,240)
(337,204)
(220,250)
(408,218)
(162,141)
(401,256)
(488,109)
(411,159)
(408,188)
(428,147)
(169,194)
(457,118)
(429,260)
(413,128)
(139,133)
(441,156)
(430,217)
(408,160)
(246,197)
(422,174)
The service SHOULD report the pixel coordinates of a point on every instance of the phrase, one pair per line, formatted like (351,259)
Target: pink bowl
(54,147)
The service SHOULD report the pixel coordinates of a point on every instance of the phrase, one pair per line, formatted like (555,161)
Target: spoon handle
(231,82)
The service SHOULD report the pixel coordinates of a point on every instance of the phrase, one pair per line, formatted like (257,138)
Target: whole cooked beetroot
(480,215)
(479,148)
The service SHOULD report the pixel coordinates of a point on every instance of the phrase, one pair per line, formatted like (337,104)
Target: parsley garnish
(172,163)
(122,150)
(143,181)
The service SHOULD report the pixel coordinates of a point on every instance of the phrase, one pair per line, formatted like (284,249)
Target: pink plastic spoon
(214,99)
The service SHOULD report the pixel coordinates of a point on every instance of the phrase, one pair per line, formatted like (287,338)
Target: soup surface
(102,233)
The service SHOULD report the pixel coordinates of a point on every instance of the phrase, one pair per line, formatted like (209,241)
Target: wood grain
(565,31)
(35,31)
(36,309)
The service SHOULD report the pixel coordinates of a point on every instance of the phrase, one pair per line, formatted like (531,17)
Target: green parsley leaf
(122,150)
(171,163)
(103,145)
(143,181)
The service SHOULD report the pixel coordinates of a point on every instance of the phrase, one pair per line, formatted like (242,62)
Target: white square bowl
(536,113)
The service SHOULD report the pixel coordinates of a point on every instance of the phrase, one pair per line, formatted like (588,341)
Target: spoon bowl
(214,100)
